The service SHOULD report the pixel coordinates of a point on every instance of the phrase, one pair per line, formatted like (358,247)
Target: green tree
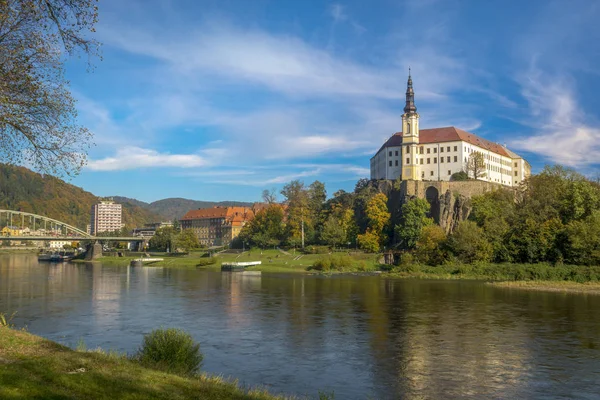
(163,239)
(583,240)
(412,220)
(492,211)
(468,243)
(186,240)
(37,110)
(266,229)
(333,232)
(476,165)
(459,176)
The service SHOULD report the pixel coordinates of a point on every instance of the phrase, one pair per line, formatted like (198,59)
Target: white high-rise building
(436,154)
(105,217)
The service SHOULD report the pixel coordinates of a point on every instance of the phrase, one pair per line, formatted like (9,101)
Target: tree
(412,220)
(299,224)
(476,165)
(459,176)
(266,229)
(429,246)
(369,241)
(186,240)
(163,239)
(468,243)
(269,196)
(333,232)
(583,240)
(37,111)
(378,218)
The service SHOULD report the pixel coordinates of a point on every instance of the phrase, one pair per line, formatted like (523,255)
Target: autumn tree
(37,111)
(333,232)
(476,165)
(378,218)
(299,224)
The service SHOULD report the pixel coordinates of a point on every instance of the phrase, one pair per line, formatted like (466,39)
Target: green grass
(502,272)
(35,368)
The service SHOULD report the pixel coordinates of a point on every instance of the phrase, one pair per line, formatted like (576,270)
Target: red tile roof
(235,215)
(448,134)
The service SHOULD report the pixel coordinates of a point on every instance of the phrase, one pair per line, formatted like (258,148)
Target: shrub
(335,262)
(171,350)
(206,261)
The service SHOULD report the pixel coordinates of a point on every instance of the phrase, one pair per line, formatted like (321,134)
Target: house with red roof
(436,154)
(217,226)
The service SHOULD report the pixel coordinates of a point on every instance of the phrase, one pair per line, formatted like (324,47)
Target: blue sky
(220,99)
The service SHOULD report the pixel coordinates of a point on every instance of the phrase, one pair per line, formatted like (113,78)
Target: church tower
(410,135)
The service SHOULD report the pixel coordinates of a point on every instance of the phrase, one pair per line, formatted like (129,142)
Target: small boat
(238,266)
(138,262)
(50,257)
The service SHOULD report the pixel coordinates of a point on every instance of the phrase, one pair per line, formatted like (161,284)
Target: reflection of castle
(435,154)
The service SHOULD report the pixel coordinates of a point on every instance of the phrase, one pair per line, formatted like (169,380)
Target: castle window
(421,149)
(441,149)
(396,153)
(407,128)
(429,161)
(431,173)
(422,174)
(407,149)
(515,173)
(435,160)
(515,164)
(434,150)
(455,159)
(441,160)
(448,159)
(448,149)
(421,161)
(428,151)
(390,153)
(408,161)
(449,172)
(390,163)
(396,163)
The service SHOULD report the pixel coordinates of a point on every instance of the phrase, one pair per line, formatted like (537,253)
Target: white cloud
(561,132)
(337,12)
(136,157)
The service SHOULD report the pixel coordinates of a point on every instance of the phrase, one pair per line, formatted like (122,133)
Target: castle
(436,154)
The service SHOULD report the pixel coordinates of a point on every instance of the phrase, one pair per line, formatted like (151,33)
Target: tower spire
(410,107)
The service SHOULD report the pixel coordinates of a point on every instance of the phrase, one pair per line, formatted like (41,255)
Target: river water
(359,337)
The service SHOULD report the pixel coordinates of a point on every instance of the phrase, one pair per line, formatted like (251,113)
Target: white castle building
(435,154)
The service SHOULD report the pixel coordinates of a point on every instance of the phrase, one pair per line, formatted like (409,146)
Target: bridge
(53,230)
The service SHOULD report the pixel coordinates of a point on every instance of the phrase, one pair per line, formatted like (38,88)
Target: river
(359,337)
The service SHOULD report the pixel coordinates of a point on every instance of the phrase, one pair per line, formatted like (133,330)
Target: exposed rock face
(453,209)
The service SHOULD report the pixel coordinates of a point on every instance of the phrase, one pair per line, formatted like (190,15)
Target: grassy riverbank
(35,368)
(272,260)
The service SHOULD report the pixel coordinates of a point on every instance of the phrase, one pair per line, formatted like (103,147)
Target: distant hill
(24,190)
(175,208)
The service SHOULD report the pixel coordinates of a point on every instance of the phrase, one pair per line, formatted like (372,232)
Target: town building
(217,226)
(105,217)
(438,153)
(148,230)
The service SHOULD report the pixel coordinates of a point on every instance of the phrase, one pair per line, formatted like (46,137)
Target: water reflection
(357,336)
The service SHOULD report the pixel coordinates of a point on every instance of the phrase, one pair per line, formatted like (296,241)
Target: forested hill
(175,208)
(24,190)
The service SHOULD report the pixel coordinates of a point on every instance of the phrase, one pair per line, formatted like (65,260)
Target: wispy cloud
(561,134)
(136,157)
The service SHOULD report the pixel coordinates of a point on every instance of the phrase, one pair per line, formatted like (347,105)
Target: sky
(220,99)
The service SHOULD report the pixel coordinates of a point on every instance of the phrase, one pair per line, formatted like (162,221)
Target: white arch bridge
(47,229)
